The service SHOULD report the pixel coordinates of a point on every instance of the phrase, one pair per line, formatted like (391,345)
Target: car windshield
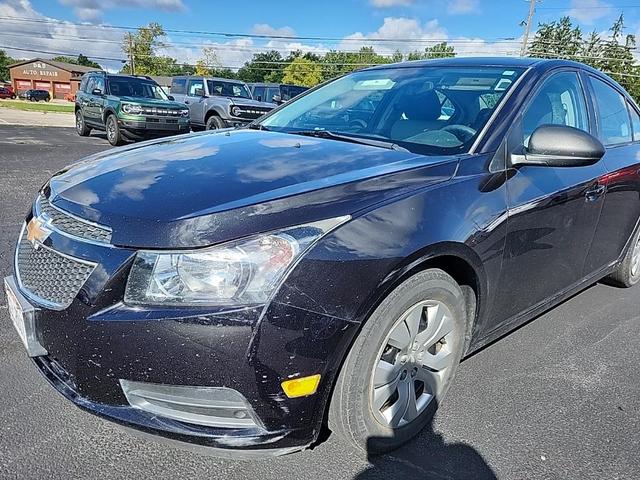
(127,87)
(228,89)
(427,110)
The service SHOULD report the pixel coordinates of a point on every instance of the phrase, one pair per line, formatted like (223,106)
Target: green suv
(127,108)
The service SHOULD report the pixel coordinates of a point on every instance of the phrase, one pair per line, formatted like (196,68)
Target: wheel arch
(211,112)
(455,259)
(108,111)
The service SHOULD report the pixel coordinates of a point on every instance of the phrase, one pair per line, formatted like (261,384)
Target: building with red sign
(58,78)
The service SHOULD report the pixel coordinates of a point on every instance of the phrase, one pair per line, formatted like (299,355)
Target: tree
(208,63)
(439,50)
(303,71)
(618,60)
(5,61)
(81,60)
(143,47)
(556,40)
(263,67)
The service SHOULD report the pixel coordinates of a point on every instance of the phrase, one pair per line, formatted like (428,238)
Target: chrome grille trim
(48,277)
(68,224)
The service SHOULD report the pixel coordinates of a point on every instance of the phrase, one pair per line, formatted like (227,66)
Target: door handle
(187,102)
(595,193)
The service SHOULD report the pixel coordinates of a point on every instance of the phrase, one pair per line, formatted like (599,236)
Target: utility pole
(527,29)
(131,56)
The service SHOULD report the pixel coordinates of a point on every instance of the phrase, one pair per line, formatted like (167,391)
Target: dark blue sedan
(332,263)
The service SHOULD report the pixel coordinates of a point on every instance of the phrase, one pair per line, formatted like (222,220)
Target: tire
(33,99)
(628,272)
(375,369)
(114,135)
(81,127)
(214,123)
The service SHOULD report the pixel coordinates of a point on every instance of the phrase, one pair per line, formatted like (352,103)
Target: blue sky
(473,26)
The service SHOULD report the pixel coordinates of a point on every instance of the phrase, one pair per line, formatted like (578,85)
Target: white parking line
(4,121)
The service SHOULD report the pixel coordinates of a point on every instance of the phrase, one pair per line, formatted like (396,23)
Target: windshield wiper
(349,138)
(258,126)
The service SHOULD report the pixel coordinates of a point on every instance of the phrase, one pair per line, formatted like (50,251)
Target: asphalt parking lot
(558,398)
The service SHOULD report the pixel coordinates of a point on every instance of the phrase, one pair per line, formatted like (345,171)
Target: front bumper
(98,341)
(151,126)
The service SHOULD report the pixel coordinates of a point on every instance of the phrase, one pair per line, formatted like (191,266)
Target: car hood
(152,102)
(197,190)
(251,103)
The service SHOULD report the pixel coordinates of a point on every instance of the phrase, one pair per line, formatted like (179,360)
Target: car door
(618,123)
(195,100)
(97,102)
(553,212)
(86,102)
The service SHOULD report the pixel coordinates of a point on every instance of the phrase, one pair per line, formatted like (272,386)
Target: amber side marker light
(301,387)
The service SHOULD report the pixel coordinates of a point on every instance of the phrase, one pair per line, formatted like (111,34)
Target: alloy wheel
(635,259)
(79,122)
(412,364)
(111,129)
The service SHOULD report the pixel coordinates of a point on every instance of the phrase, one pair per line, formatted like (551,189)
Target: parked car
(7,92)
(216,103)
(232,289)
(128,108)
(277,93)
(35,95)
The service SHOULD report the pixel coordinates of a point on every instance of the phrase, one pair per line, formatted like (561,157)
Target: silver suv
(217,102)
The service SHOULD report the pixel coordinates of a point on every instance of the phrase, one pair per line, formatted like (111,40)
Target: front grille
(49,275)
(65,223)
(252,112)
(162,112)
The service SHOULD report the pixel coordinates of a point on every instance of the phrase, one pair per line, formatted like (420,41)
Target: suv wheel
(628,272)
(81,127)
(113,131)
(214,123)
(401,364)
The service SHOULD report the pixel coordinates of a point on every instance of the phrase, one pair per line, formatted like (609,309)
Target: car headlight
(236,111)
(184,112)
(242,272)
(132,109)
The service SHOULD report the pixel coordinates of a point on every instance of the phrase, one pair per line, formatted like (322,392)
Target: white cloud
(588,11)
(391,3)
(266,29)
(461,7)
(91,10)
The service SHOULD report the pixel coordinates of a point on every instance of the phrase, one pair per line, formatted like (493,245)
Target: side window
(635,122)
(99,84)
(271,92)
(83,84)
(560,101)
(258,93)
(612,113)
(195,85)
(91,84)
(179,85)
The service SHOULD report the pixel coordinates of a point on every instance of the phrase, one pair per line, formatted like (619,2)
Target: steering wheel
(462,132)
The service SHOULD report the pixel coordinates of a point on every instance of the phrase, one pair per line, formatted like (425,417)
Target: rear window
(179,85)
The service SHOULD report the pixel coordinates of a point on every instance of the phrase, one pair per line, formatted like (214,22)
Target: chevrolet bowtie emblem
(37,232)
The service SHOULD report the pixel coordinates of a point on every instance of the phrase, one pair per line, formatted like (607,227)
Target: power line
(233,34)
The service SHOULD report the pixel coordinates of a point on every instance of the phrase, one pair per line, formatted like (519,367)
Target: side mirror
(171,97)
(560,146)
(97,92)
(259,98)
(277,99)
(199,92)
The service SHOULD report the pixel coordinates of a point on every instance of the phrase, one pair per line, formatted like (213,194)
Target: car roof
(217,79)
(506,62)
